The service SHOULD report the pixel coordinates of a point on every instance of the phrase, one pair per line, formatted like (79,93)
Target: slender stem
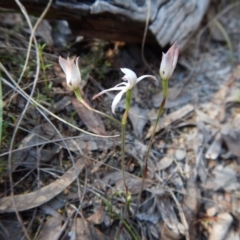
(123,155)
(43,69)
(79,97)
(160,111)
(124,121)
(1,112)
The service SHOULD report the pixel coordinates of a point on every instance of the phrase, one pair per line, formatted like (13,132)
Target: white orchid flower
(169,61)
(72,72)
(131,80)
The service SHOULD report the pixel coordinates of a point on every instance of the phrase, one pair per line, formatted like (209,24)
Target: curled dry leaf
(90,119)
(34,199)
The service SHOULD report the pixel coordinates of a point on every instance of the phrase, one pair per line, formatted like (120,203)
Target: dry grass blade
(1,112)
(33,30)
(12,200)
(37,198)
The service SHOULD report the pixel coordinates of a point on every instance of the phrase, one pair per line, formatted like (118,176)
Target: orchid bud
(169,61)
(72,72)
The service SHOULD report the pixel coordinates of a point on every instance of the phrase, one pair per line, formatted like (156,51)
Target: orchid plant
(167,67)
(168,64)
(131,80)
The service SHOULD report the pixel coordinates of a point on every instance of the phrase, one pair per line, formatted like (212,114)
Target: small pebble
(180,154)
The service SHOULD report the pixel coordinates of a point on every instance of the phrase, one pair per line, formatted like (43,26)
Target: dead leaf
(203,117)
(34,199)
(166,209)
(165,162)
(97,217)
(231,137)
(191,205)
(83,230)
(138,118)
(39,135)
(216,33)
(138,150)
(169,119)
(225,177)
(50,229)
(61,104)
(91,119)
(219,228)
(116,179)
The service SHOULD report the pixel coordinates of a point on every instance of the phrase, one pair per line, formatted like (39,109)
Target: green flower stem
(79,97)
(124,121)
(160,111)
(123,155)
(42,64)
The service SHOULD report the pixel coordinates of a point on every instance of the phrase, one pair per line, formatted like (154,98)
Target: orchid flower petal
(129,76)
(117,99)
(62,63)
(122,84)
(107,90)
(146,76)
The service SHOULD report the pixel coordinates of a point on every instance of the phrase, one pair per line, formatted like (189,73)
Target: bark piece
(43,195)
(169,20)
